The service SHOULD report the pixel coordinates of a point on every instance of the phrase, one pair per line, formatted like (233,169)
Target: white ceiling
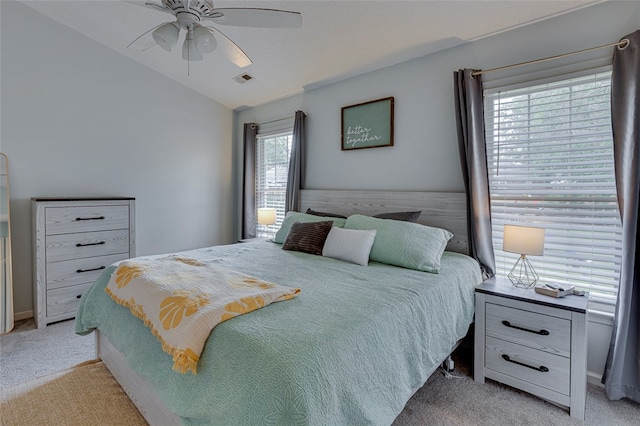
(338,39)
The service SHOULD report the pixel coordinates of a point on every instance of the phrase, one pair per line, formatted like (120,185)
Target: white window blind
(272,168)
(550,164)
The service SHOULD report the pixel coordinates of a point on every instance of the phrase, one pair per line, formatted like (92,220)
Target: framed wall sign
(367,125)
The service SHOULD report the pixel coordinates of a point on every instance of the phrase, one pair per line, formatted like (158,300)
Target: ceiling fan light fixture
(166,36)
(189,50)
(203,39)
(200,38)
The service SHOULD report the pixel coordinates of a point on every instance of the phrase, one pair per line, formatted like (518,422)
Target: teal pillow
(405,244)
(293,217)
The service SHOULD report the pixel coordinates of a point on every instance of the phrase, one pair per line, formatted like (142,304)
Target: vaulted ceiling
(337,40)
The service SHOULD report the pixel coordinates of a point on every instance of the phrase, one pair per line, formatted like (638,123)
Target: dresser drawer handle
(91,244)
(90,218)
(79,271)
(540,332)
(542,368)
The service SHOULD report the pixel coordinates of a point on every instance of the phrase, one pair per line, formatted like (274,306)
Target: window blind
(550,164)
(272,168)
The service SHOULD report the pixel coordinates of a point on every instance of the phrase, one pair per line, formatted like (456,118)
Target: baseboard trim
(17,316)
(594,379)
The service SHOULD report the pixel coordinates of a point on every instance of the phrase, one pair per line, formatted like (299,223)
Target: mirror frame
(6,282)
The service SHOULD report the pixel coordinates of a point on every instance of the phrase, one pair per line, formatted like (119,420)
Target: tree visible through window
(550,164)
(272,168)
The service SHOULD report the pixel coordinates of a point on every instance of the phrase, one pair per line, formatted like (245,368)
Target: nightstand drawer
(538,331)
(64,220)
(529,365)
(87,244)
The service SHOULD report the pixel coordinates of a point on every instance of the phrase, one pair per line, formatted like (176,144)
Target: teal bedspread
(350,349)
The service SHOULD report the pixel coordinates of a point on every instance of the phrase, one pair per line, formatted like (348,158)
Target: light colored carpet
(28,353)
(83,395)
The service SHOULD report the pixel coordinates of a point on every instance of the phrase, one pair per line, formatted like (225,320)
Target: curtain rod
(276,120)
(622,44)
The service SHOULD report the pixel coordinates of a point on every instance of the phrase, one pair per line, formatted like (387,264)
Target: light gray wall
(78,119)
(425,155)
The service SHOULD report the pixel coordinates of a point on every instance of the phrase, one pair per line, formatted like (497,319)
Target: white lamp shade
(266,216)
(204,40)
(166,35)
(523,240)
(189,51)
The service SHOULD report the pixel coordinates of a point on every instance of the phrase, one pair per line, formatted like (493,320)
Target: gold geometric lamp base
(522,274)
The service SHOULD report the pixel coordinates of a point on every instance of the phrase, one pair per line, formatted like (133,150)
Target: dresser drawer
(65,300)
(87,244)
(555,378)
(538,331)
(79,271)
(64,220)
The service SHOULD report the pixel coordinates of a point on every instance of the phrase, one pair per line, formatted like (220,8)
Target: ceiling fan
(199,39)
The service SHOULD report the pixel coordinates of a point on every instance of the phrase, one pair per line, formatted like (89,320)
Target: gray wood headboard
(445,210)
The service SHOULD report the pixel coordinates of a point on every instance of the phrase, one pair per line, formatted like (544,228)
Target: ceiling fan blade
(156,6)
(255,17)
(227,48)
(144,41)
(149,4)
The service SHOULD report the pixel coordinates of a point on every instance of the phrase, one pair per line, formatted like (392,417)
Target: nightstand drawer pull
(91,244)
(540,332)
(542,368)
(79,271)
(90,218)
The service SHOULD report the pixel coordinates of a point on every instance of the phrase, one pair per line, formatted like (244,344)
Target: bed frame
(440,209)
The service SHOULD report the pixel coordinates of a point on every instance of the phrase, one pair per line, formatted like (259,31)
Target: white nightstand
(532,342)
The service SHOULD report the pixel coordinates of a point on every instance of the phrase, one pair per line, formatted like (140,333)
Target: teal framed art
(368,124)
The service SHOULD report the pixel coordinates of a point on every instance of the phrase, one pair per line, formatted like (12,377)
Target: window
(272,168)
(550,164)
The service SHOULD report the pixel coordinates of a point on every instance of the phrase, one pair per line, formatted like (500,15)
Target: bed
(351,348)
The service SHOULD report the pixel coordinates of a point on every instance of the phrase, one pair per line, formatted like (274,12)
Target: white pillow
(350,245)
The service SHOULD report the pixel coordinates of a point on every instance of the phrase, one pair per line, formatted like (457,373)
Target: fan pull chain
(188,36)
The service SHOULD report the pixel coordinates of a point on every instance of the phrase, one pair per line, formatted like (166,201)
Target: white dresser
(532,342)
(74,240)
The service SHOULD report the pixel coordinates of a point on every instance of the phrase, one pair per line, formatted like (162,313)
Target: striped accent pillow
(307,237)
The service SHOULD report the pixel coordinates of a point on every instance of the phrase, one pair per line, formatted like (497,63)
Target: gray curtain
(473,159)
(622,370)
(249,181)
(295,180)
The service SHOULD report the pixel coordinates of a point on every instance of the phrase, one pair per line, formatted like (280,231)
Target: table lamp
(266,216)
(523,240)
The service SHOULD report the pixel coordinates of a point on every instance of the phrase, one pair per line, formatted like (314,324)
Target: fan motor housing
(187,19)
(199,7)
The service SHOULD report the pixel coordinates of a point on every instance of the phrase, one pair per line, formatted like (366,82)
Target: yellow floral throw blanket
(181,300)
